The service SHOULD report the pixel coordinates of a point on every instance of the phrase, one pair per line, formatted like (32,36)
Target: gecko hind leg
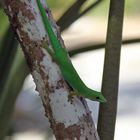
(51,52)
(72,94)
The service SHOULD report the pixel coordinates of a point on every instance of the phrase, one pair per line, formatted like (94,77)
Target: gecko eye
(97,98)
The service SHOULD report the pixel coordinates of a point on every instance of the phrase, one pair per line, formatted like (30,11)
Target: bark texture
(69,120)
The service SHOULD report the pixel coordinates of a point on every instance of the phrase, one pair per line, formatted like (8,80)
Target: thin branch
(85,48)
(73,13)
(70,15)
(107,112)
(93,5)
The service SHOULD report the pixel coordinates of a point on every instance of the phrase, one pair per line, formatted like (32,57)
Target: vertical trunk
(107,112)
(68,120)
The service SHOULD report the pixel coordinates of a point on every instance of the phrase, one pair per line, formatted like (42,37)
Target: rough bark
(69,120)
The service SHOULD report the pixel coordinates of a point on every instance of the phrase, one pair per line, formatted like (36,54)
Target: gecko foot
(71,95)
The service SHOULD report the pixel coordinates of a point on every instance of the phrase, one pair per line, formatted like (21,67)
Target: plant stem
(107,112)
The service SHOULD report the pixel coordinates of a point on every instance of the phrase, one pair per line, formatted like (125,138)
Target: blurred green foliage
(59,7)
(61,4)
(3,23)
(131,6)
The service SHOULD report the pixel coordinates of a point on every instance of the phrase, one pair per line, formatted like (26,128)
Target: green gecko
(60,55)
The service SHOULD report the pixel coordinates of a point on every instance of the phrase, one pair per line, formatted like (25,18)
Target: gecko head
(100,98)
(96,96)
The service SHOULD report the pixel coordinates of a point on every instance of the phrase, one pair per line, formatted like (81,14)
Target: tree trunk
(69,120)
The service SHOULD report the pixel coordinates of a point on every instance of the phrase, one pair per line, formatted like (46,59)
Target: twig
(93,5)
(85,48)
(73,13)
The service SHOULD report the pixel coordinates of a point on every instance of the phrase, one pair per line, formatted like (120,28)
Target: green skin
(60,54)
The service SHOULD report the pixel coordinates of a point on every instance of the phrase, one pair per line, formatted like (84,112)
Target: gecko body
(60,55)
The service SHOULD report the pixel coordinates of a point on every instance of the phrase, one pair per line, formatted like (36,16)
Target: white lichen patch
(33,30)
(39,23)
(33,27)
(62,109)
(52,69)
